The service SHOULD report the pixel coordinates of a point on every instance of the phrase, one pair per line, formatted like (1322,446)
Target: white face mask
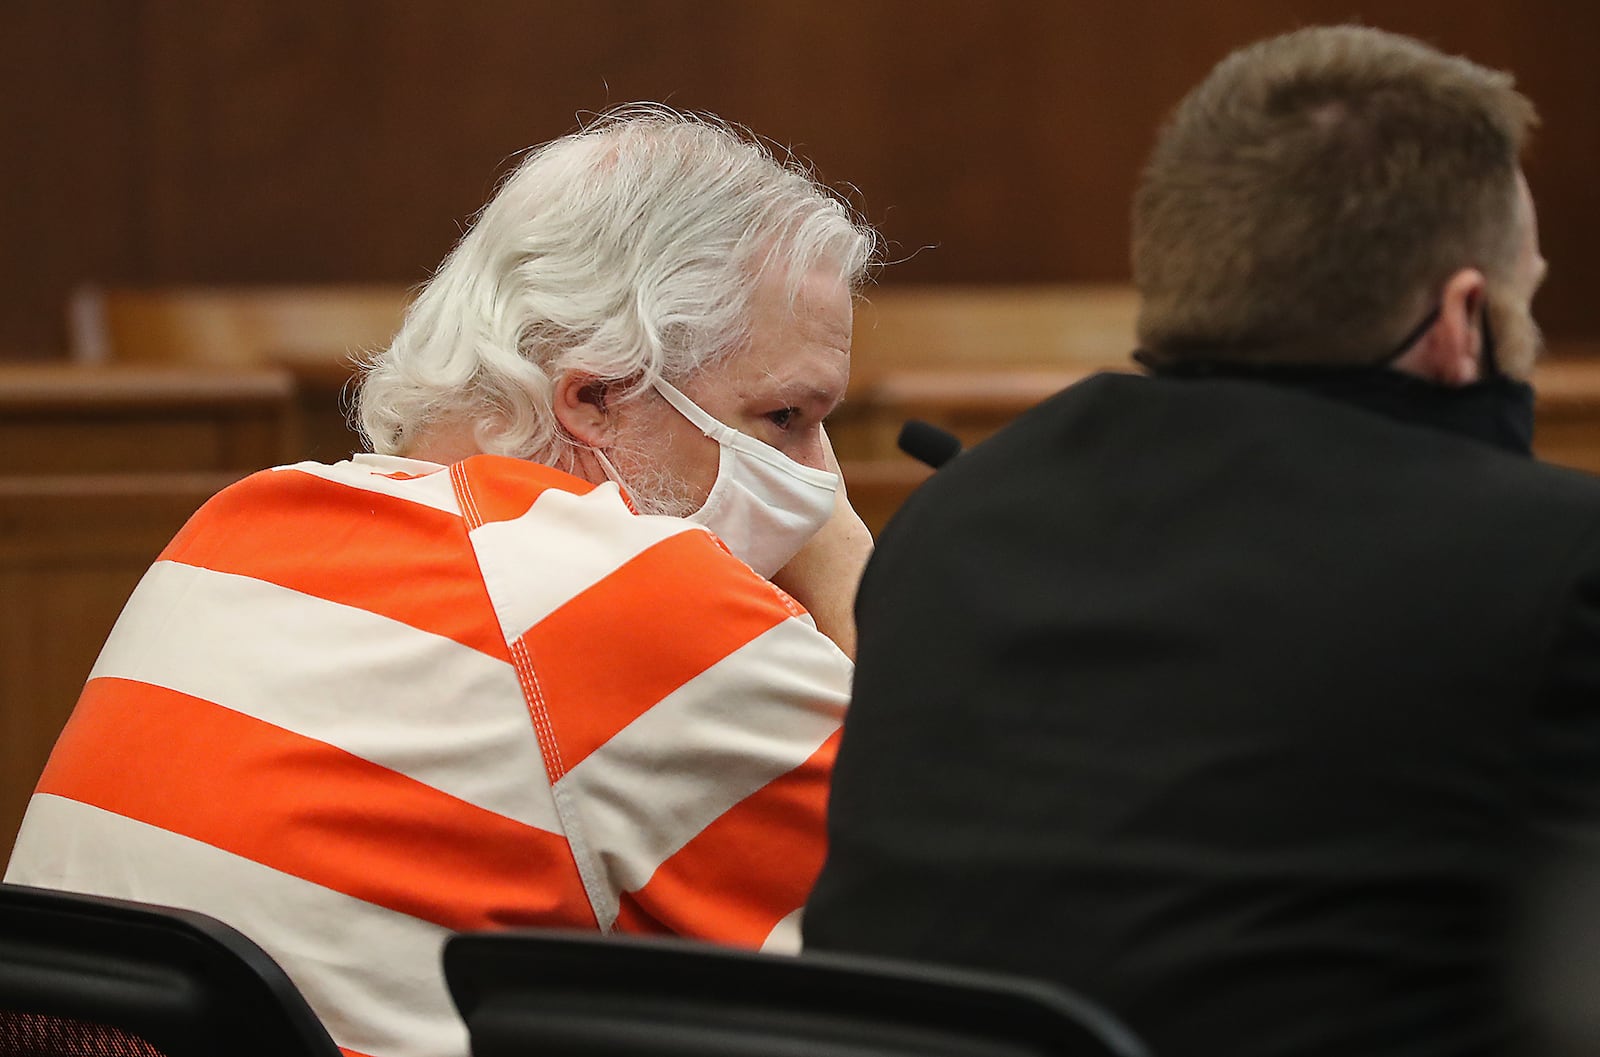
(763,504)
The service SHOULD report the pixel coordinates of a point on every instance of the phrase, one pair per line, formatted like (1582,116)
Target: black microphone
(927,443)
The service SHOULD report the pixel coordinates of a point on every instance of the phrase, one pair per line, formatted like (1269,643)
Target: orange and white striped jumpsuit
(355,707)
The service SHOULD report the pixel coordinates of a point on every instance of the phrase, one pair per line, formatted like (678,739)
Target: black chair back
(584,995)
(86,976)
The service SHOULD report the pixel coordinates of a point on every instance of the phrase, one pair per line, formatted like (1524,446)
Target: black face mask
(1496,409)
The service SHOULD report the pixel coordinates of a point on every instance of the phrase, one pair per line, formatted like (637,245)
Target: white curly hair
(629,250)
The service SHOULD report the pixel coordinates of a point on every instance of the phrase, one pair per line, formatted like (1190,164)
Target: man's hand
(824,576)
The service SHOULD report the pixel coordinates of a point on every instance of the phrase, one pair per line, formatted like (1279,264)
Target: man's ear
(580,406)
(1451,352)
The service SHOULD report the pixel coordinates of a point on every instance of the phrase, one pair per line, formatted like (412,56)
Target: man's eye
(783,417)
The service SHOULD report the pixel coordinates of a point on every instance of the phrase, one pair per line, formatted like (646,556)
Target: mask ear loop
(612,475)
(1412,338)
(606,466)
(1491,360)
(697,416)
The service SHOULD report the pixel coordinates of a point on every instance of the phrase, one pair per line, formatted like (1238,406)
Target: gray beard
(654,490)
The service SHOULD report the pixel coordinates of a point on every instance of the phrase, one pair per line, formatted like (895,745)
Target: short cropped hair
(629,250)
(1310,197)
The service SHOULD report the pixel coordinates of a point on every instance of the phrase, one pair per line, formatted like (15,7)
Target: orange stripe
(660,620)
(743,873)
(634,920)
(504,488)
(399,559)
(309,809)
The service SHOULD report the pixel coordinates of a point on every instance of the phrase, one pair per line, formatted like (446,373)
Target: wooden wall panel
(70,201)
(71,551)
(289,141)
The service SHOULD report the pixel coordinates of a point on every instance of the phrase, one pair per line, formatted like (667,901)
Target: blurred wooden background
(223,141)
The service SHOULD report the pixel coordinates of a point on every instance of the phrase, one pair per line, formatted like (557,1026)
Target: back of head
(1305,203)
(629,250)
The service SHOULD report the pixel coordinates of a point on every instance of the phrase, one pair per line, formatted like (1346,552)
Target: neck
(1496,410)
(443,446)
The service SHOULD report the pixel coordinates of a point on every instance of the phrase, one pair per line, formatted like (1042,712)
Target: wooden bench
(968,358)
(316,333)
(1568,388)
(238,326)
(980,327)
(65,419)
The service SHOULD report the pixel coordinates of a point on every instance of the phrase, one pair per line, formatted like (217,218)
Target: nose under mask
(763,505)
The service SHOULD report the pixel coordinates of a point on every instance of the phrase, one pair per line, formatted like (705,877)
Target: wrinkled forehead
(804,369)
(799,343)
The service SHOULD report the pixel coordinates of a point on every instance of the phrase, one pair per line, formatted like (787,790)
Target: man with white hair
(569,648)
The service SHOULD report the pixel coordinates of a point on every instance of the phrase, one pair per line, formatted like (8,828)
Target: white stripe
(574,540)
(785,935)
(366,473)
(754,716)
(372,975)
(414,702)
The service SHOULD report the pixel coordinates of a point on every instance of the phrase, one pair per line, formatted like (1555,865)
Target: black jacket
(1245,710)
